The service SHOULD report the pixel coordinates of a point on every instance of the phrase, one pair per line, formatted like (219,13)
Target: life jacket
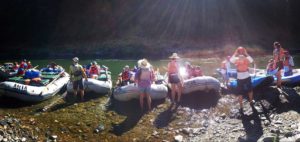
(278,55)
(146,74)
(23,65)
(198,72)
(172,67)
(242,64)
(93,70)
(15,67)
(77,70)
(286,61)
(125,75)
(29,66)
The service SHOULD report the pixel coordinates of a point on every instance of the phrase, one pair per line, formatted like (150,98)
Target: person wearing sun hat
(174,78)
(244,86)
(144,78)
(76,74)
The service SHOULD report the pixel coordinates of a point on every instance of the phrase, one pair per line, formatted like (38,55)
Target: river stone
(289,139)
(288,134)
(267,139)
(178,138)
(297,138)
(1,138)
(54,137)
(23,139)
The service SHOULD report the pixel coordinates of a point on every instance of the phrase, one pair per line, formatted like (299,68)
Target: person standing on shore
(175,79)
(77,74)
(244,86)
(144,78)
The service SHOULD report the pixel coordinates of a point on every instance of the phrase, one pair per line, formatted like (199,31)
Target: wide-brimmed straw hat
(143,63)
(174,56)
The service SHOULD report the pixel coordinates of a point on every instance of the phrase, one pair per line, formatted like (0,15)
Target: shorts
(78,83)
(144,90)
(174,79)
(279,65)
(244,86)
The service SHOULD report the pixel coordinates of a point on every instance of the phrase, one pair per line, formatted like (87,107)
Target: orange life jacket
(172,67)
(242,64)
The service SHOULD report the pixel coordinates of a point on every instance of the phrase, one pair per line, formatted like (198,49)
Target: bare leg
(142,101)
(278,75)
(173,92)
(82,95)
(179,86)
(148,101)
(75,92)
(250,94)
(241,101)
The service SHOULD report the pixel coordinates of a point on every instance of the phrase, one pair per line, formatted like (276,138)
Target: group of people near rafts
(143,75)
(22,67)
(281,60)
(78,72)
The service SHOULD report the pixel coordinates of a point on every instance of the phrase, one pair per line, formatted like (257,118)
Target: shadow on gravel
(9,102)
(200,100)
(253,127)
(279,100)
(196,100)
(130,109)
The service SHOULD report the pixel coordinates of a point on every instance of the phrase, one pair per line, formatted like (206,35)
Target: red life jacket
(286,61)
(93,70)
(125,75)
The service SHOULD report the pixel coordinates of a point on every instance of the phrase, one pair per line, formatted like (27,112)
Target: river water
(72,120)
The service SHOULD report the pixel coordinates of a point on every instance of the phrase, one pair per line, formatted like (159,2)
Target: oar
(35,66)
(46,87)
(45,108)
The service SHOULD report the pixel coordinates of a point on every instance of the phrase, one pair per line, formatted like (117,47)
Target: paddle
(46,87)
(45,108)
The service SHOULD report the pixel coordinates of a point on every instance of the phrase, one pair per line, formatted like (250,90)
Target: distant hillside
(144,28)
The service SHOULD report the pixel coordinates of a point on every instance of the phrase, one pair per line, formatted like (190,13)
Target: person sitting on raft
(192,71)
(270,67)
(126,76)
(288,63)
(22,68)
(244,86)
(29,65)
(94,70)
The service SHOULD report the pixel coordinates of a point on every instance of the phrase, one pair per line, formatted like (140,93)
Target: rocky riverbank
(202,116)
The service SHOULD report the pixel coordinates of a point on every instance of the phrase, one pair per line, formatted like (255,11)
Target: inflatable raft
(101,85)
(7,71)
(291,80)
(201,83)
(131,91)
(258,81)
(50,83)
